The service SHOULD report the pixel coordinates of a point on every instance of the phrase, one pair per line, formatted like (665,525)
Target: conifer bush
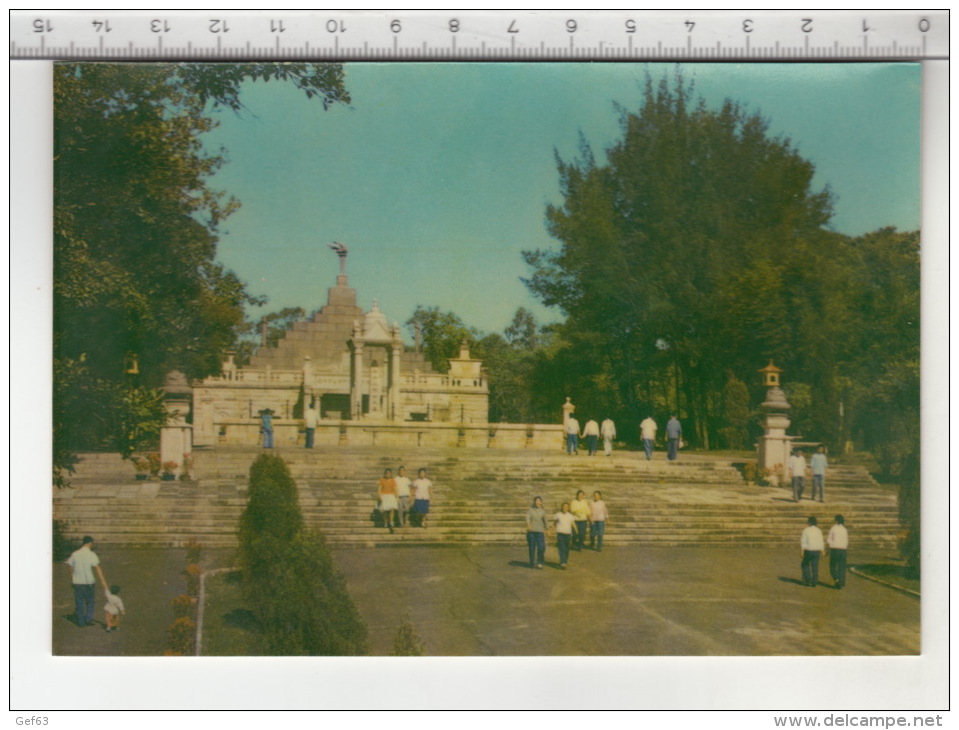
(289,580)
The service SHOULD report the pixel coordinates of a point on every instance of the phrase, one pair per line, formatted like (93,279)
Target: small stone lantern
(774,445)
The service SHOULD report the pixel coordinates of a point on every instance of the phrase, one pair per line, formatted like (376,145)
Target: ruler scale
(526,35)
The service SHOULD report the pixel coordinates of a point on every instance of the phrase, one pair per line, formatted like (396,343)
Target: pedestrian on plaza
(797,472)
(565,521)
(818,464)
(598,517)
(647,432)
(591,432)
(113,610)
(386,489)
(422,492)
(572,436)
(85,566)
(674,434)
(608,431)
(402,494)
(266,427)
(536,528)
(838,541)
(580,509)
(310,420)
(812,546)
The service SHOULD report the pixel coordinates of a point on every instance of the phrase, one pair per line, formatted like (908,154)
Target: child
(114,608)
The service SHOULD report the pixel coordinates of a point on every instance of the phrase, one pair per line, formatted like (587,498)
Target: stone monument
(774,445)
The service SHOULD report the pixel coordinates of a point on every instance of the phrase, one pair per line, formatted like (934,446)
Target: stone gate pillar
(176,437)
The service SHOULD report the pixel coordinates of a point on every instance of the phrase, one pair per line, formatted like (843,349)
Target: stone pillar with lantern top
(176,437)
(774,445)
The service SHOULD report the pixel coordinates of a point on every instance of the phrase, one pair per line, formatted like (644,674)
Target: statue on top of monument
(341,251)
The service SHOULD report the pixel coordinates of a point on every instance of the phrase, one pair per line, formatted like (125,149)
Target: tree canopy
(136,225)
(697,251)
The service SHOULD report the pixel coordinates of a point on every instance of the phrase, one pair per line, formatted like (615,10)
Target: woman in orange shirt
(389,505)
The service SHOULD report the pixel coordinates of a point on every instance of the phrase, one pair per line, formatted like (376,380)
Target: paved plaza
(486,601)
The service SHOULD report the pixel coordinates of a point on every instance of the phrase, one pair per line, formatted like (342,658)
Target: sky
(438,175)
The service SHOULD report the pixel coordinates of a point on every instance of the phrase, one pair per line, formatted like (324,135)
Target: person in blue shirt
(674,432)
(266,428)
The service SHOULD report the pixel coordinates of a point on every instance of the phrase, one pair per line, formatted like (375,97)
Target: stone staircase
(480,496)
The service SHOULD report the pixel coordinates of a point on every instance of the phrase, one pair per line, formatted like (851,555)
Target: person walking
(674,434)
(598,517)
(608,431)
(812,546)
(565,521)
(572,436)
(838,541)
(85,566)
(422,493)
(536,528)
(818,464)
(310,420)
(580,509)
(386,489)
(402,494)
(797,473)
(647,432)
(591,433)
(266,427)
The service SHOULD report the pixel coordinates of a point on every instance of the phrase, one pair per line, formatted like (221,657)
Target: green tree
(136,225)
(441,333)
(298,596)
(652,240)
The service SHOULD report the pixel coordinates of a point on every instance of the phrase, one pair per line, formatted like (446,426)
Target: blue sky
(439,175)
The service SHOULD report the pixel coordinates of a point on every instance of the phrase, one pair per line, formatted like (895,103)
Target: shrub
(62,545)
(297,595)
(407,642)
(193,573)
(182,606)
(180,636)
(194,551)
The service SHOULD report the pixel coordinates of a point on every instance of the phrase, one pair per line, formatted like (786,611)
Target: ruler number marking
(807,25)
(276,26)
(924,25)
(101,26)
(159,26)
(630,26)
(512,27)
(454,25)
(571,26)
(42,26)
(396,26)
(748,25)
(219,26)
(690,25)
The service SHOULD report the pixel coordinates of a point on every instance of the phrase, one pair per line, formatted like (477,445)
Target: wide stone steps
(480,497)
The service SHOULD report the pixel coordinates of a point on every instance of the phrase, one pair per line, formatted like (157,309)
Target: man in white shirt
(85,566)
(797,470)
(647,432)
(838,540)
(812,546)
(591,434)
(818,465)
(608,432)
(572,436)
(403,493)
(310,419)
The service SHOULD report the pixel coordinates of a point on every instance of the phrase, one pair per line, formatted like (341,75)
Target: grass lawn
(229,628)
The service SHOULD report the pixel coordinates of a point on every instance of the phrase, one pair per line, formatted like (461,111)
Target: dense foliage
(135,233)
(290,583)
(697,252)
